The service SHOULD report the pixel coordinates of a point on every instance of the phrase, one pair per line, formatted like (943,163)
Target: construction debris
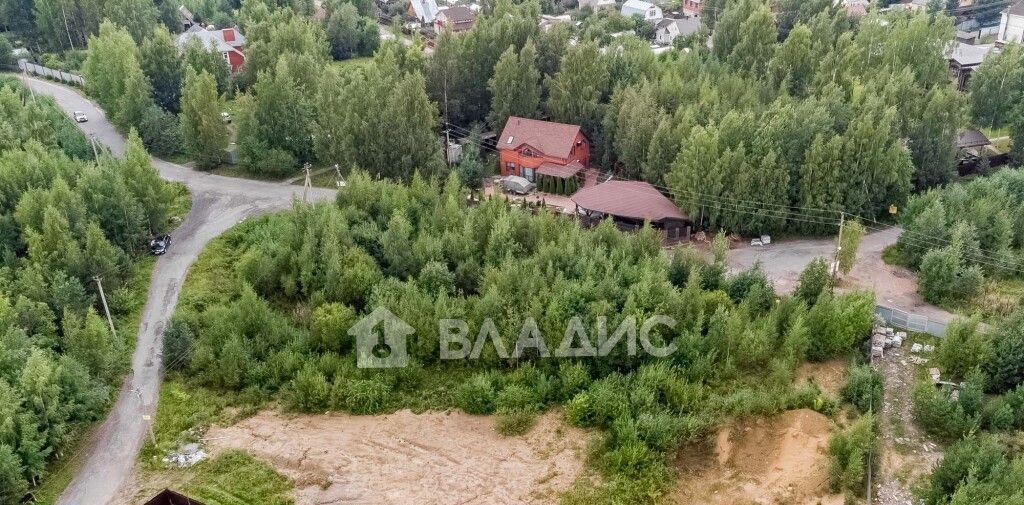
(188,455)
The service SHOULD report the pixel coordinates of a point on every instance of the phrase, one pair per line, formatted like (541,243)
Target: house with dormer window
(531,148)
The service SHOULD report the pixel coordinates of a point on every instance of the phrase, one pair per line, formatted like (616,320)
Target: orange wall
(580,152)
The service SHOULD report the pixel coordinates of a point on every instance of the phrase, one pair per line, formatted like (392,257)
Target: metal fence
(909,321)
(60,75)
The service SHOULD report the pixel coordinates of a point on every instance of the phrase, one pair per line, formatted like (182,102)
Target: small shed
(630,204)
(168,497)
(971,138)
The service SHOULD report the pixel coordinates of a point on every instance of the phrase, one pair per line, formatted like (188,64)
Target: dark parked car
(160,244)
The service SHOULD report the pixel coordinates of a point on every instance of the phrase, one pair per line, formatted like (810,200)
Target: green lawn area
(352,63)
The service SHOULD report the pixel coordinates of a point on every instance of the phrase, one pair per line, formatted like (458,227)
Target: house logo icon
(380,340)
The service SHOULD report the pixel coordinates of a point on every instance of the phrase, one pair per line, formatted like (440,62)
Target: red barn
(528,148)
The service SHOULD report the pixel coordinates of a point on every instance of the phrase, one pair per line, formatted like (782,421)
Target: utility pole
(92,139)
(106,309)
(307,184)
(447,127)
(339,181)
(29,86)
(66,29)
(839,247)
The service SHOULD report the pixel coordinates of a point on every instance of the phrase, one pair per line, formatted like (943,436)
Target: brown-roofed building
(630,204)
(168,497)
(529,147)
(459,18)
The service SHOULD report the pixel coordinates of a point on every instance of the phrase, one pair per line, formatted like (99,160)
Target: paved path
(218,203)
(894,286)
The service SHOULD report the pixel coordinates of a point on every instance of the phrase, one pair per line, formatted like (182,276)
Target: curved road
(218,203)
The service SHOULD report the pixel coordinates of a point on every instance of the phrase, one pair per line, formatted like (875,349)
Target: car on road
(79,116)
(225,117)
(160,244)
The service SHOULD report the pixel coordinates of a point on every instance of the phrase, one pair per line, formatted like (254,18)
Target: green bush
(940,416)
(362,396)
(515,398)
(476,395)
(963,349)
(813,281)
(1005,369)
(578,411)
(849,452)
(309,391)
(837,324)
(178,337)
(863,388)
(516,422)
(160,132)
(975,457)
(572,378)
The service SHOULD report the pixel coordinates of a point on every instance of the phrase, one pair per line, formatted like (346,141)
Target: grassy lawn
(230,478)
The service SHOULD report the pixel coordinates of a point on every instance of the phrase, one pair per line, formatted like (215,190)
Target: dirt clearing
(780,459)
(828,375)
(435,457)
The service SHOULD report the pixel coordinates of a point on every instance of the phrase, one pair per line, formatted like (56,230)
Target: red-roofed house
(229,42)
(529,148)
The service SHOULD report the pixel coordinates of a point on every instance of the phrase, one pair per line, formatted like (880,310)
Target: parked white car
(79,116)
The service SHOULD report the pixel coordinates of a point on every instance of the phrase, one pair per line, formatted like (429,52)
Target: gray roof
(213,37)
(426,10)
(687,26)
(1016,9)
(968,55)
(971,138)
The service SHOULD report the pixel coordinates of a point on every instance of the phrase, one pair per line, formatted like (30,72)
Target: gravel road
(218,203)
(894,286)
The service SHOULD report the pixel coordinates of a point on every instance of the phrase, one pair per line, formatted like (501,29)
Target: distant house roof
(186,15)
(1016,9)
(425,10)
(552,139)
(686,26)
(968,55)
(224,40)
(168,497)
(561,171)
(971,138)
(632,7)
(459,15)
(628,199)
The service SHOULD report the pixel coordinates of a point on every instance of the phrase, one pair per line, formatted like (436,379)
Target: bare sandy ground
(828,375)
(774,460)
(404,458)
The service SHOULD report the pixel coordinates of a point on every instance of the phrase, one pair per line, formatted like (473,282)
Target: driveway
(218,203)
(894,286)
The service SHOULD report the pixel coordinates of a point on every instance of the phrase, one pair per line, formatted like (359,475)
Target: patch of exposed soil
(828,375)
(907,453)
(435,457)
(774,460)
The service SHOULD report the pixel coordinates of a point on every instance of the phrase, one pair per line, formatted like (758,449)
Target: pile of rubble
(885,337)
(186,456)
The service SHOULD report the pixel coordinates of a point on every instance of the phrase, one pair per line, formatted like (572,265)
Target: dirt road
(893,286)
(218,203)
